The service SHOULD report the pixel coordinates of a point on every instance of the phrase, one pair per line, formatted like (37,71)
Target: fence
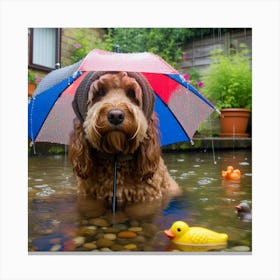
(198,50)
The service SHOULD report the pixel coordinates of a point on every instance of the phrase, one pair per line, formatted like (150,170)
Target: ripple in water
(41,186)
(244,163)
(45,192)
(183,176)
(205,181)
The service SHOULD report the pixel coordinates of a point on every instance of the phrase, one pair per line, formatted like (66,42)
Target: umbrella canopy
(179,106)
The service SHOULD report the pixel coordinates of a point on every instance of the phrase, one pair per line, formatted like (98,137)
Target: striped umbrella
(179,106)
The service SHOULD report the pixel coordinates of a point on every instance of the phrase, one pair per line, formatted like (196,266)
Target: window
(44,48)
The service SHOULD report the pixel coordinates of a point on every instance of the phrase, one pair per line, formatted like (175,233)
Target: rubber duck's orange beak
(169,233)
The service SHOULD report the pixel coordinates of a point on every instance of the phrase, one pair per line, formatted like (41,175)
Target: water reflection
(59,220)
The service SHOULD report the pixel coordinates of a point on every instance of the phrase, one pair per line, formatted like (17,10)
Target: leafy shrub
(85,41)
(165,42)
(228,80)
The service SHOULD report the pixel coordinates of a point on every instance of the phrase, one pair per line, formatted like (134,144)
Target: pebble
(78,241)
(55,248)
(103,242)
(134,223)
(110,230)
(140,239)
(99,235)
(99,222)
(90,246)
(91,227)
(84,222)
(86,231)
(127,234)
(117,247)
(121,226)
(110,236)
(240,249)
(135,229)
(105,249)
(149,229)
(130,247)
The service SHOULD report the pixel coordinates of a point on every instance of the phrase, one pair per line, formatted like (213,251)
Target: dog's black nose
(115,116)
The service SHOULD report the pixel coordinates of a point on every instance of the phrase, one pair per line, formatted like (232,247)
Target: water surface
(59,220)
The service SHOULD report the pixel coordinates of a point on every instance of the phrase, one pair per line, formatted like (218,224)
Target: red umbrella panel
(179,106)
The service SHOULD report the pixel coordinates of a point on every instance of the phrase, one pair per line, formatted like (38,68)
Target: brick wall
(68,40)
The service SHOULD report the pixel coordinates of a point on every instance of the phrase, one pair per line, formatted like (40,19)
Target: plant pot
(234,122)
(31,88)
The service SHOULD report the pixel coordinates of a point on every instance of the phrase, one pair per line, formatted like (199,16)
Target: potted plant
(33,80)
(228,83)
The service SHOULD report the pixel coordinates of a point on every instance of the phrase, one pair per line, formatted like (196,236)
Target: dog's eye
(131,93)
(100,92)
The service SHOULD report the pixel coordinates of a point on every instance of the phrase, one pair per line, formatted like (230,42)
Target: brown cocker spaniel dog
(115,117)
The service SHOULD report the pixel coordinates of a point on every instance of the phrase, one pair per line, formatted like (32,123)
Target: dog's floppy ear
(79,103)
(80,152)
(149,152)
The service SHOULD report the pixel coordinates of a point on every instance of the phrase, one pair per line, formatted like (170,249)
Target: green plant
(33,78)
(84,43)
(165,42)
(168,43)
(228,80)
(194,78)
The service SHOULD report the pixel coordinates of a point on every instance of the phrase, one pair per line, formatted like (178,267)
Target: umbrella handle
(114,198)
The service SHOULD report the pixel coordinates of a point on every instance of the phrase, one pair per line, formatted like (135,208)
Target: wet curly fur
(115,117)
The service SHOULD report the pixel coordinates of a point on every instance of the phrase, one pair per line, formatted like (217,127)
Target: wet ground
(59,220)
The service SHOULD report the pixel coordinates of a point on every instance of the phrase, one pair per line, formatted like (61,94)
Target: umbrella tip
(218,111)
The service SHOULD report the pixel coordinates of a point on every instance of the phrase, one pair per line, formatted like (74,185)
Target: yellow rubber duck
(231,173)
(180,233)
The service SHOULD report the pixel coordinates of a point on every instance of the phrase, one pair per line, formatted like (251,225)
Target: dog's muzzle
(116,117)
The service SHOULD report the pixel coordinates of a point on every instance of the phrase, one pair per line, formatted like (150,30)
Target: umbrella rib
(31,120)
